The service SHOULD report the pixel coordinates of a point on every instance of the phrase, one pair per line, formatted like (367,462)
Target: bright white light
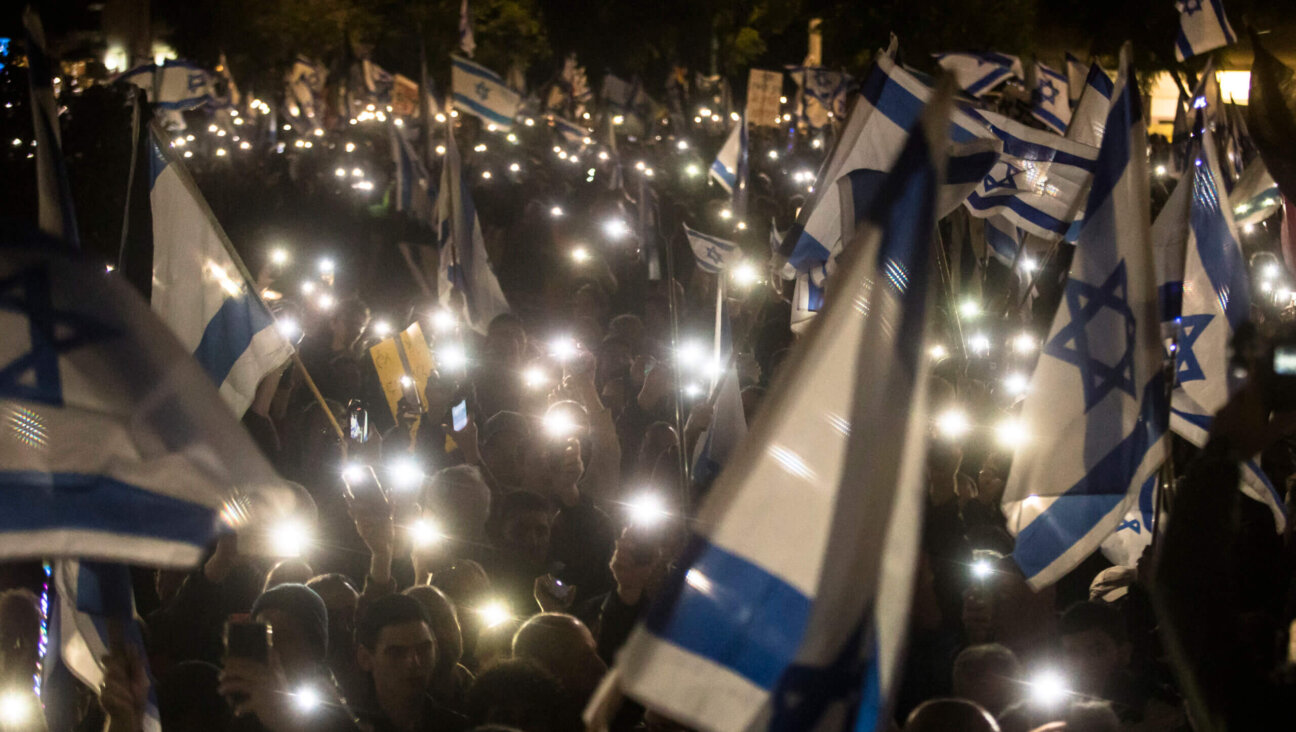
(534,377)
(580,255)
(615,228)
(692,170)
(424,533)
(511,138)
(640,165)
(381,328)
(288,328)
(221,152)
(1011,433)
(681,145)
(1048,688)
(353,472)
(514,167)
(1266,286)
(741,226)
(1270,271)
(480,147)
(289,538)
(350,147)
(405,472)
(690,353)
(245,145)
(603,155)
(279,256)
(953,423)
(745,274)
(726,214)
(453,356)
(15,709)
(705,111)
(773,154)
(559,423)
(563,348)
(715,118)
(440,117)
(307,287)
(1024,343)
(443,320)
(937,352)
(326,265)
(647,509)
(440,149)
(340,172)
(979,343)
(325,302)
(486,175)
(618,119)
(816,143)
(982,568)
(1028,265)
(556,212)
(970,309)
(494,613)
(1248,228)
(1016,384)
(529,122)
(692,391)
(307,699)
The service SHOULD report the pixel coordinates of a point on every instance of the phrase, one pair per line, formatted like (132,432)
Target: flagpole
(719,309)
(130,176)
(674,333)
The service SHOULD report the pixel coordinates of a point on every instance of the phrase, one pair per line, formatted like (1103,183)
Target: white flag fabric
(1255,194)
(713,253)
(122,450)
(717,445)
(790,610)
(1216,300)
(377,80)
(415,191)
(1090,115)
(466,283)
(174,84)
(724,171)
(1097,411)
(1076,72)
(467,43)
(90,596)
(200,288)
(1203,27)
(1052,98)
(979,73)
(305,90)
(481,92)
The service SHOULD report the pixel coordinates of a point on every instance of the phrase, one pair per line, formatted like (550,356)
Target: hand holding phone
(459,415)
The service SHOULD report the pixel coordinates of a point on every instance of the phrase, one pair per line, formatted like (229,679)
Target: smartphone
(359,421)
(559,589)
(459,415)
(248,639)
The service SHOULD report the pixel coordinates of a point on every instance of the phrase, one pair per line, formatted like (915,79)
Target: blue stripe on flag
(1183,46)
(1114,156)
(1050,119)
(480,110)
(807,252)
(41,501)
(229,333)
(728,246)
(1222,20)
(969,168)
(987,81)
(1015,146)
(899,105)
(724,173)
(1220,255)
(731,612)
(1073,514)
(1018,206)
(1002,244)
(476,70)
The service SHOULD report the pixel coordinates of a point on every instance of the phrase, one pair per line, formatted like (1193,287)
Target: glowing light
(486,175)
(424,533)
(494,613)
(556,212)
(970,309)
(647,509)
(692,391)
(1010,433)
(1270,271)
(1028,265)
(289,538)
(326,265)
(692,170)
(353,472)
(745,274)
(816,143)
(452,356)
(288,328)
(1024,343)
(1248,228)
(773,154)
(1266,286)
(279,256)
(615,229)
(325,302)
(340,172)
(580,255)
(188,154)
(1048,688)
(15,709)
(715,118)
(221,152)
(480,147)
(937,352)
(618,119)
(1016,384)
(381,328)
(307,699)
(982,568)
(529,122)
(563,348)
(682,145)
(726,214)
(979,343)
(440,149)
(603,155)
(534,377)
(440,117)
(512,138)
(559,423)
(405,473)
(690,353)
(245,145)
(1161,171)
(953,423)
(443,320)
(514,167)
(307,287)
(741,226)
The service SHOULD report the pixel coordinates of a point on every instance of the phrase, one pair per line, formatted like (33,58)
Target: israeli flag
(724,171)
(201,289)
(1076,72)
(466,283)
(1202,27)
(979,73)
(1052,104)
(791,608)
(467,43)
(1097,411)
(174,85)
(807,301)
(1090,116)
(728,422)
(481,92)
(891,102)
(1003,239)
(1216,300)
(305,90)
(91,598)
(571,132)
(1254,197)
(415,191)
(713,253)
(377,80)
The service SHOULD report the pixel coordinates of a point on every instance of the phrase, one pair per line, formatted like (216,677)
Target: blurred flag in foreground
(201,288)
(1095,421)
(1202,27)
(978,73)
(466,284)
(791,610)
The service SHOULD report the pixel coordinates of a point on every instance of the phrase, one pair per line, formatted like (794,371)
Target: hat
(303,604)
(1112,584)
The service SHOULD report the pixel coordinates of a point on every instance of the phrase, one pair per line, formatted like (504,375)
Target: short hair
(331,578)
(386,611)
(459,490)
(517,503)
(519,693)
(1085,616)
(948,715)
(977,661)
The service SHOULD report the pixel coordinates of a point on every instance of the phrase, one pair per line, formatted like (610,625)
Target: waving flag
(1097,411)
(174,84)
(1052,104)
(1216,300)
(466,283)
(1076,73)
(377,80)
(415,190)
(1255,195)
(55,213)
(467,43)
(980,73)
(1090,115)
(201,288)
(1202,27)
(713,253)
(785,614)
(481,92)
(305,92)
(724,170)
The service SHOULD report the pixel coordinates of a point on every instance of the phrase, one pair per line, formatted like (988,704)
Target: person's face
(401,661)
(527,535)
(341,603)
(290,644)
(1093,658)
(565,461)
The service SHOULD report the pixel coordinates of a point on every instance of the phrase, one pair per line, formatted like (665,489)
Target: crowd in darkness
(495,592)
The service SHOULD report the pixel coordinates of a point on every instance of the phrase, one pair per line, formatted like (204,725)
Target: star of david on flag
(481,92)
(1187,367)
(1084,304)
(1203,27)
(713,253)
(1052,104)
(1007,177)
